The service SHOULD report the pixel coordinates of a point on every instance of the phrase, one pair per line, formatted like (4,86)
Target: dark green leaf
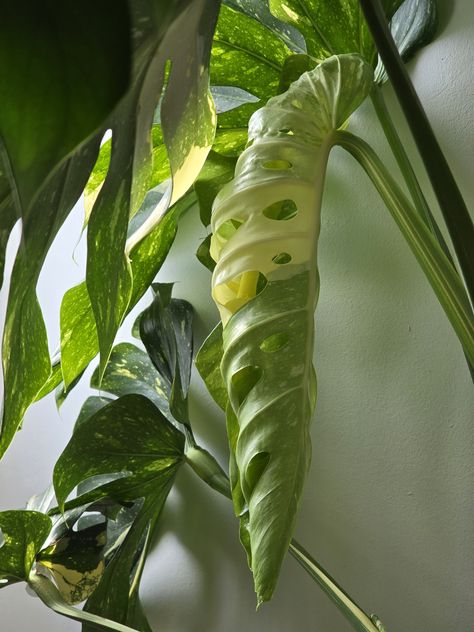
(166,331)
(450,200)
(63,68)
(129,435)
(188,125)
(414,25)
(8,217)
(331,27)
(90,407)
(76,561)
(26,362)
(293,68)
(22,534)
(129,371)
(204,255)
(208,363)
(217,171)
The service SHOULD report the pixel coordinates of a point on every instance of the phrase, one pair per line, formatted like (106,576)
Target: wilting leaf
(166,331)
(76,561)
(331,27)
(208,363)
(22,534)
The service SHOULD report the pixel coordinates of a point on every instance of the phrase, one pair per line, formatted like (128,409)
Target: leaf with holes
(265,225)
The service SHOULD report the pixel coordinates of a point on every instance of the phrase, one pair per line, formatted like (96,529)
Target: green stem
(359,620)
(450,200)
(440,272)
(213,475)
(405,166)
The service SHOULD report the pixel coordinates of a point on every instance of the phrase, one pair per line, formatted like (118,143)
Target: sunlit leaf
(331,27)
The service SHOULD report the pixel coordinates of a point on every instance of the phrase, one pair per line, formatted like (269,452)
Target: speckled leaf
(76,56)
(188,125)
(129,435)
(21,537)
(79,344)
(208,363)
(166,330)
(90,407)
(76,561)
(26,362)
(331,27)
(130,370)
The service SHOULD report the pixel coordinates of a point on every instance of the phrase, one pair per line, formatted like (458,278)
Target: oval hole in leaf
(255,469)
(286,131)
(229,228)
(244,380)
(297,104)
(277,164)
(281,210)
(274,343)
(282,258)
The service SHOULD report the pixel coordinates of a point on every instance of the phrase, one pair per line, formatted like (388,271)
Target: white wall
(388,504)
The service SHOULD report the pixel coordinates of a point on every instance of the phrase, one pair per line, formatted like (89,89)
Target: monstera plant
(151,110)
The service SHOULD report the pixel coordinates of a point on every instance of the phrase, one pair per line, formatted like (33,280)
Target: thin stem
(450,200)
(405,166)
(359,620)
(440,272)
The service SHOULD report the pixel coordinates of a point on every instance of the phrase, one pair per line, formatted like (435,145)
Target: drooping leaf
(51,597)
(331,27)
(129,435)
(22,534)
(414,25)
(76,561)
(188,125)
(79,344)
(265,226)
(63,68)
(208,363)
(166,331)
(129,371)
(25,356)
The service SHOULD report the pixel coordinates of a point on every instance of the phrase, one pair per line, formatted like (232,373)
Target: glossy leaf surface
(22,535)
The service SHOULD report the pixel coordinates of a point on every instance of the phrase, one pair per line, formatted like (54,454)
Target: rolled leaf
(265,227)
